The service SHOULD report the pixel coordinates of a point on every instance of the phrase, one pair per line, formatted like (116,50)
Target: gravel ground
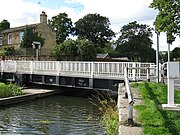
(124,129)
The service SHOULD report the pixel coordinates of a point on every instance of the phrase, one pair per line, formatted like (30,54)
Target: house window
(0,40)
(10,39)
(21,36)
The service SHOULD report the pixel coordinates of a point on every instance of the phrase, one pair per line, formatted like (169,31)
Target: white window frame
(21,36)
(10,39)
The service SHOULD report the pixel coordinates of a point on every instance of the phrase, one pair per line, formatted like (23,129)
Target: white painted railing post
(58,67)
(92,69)
(15,67)
(134,71)
(2,66)
(130,97)
(148,74)
(31,66)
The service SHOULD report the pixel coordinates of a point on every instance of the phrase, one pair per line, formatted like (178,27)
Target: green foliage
(9,50)
(108,109)
(67,48)
(168,18)
(86,50)
(62,25)
(135,42)
(4,25)
(95,28)
(155,120)
(9,90)
(29,36)
(178,59)
(175,53)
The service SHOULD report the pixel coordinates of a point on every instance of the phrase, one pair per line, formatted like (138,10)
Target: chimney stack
(43,17)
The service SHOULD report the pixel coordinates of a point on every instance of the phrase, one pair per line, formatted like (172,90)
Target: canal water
(54,115)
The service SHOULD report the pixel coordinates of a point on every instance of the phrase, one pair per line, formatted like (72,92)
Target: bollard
(130,115)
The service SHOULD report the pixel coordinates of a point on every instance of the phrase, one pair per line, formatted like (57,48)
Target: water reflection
(55,115)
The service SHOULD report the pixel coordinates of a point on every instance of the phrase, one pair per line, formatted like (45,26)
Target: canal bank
(30,94)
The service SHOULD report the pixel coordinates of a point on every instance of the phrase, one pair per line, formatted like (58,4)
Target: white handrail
(78,68)
(130,97)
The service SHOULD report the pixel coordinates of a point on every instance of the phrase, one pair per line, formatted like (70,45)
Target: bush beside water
(10,90)
(109,113)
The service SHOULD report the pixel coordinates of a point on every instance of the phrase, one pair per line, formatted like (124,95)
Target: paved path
(123,111)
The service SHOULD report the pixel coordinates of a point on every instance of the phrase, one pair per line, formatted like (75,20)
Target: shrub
(10,90)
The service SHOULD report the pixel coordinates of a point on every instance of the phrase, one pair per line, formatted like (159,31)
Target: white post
(157,58)
(134,71)
(148,74)
(31,66)
(37,54)
(160,70)
(92,69)
(170,92)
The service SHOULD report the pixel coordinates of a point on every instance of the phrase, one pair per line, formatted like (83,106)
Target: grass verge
(10,90)
(156,121)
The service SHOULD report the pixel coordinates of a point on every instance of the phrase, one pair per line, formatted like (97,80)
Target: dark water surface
(55,115)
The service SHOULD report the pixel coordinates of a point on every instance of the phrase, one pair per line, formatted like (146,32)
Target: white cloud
(120,12)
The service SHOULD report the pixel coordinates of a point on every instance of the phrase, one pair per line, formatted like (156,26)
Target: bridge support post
(91,82)
(43,79)
(18,79)
(110,84)
(57,80)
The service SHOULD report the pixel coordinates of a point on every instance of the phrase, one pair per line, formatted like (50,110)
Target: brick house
(13,36)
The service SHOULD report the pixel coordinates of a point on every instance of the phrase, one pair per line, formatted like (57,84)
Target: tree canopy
(135,42)
(70,49)
(86,50)
(29,36)
(62,25)
(176,53)
(4,25)
(95,28)
(168,18)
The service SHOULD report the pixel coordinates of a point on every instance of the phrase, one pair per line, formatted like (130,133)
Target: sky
(119,12)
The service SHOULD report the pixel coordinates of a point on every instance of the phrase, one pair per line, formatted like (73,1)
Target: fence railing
(136,70)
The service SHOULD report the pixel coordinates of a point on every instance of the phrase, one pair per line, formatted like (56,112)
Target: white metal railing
(112,70)
(130,97)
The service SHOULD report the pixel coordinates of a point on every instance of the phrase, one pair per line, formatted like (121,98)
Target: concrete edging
(26,97)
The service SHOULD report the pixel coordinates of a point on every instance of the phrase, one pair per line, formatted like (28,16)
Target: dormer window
(9,39)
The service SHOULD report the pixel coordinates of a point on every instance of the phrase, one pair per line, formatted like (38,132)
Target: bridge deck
(64,71)
(111,70)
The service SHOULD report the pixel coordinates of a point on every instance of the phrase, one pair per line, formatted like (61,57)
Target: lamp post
(37,46)
(157,57)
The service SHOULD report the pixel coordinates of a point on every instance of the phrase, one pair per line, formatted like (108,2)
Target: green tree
(175,53)
(86,50)
(135,42)
(29,36)
(168,18)
(95,28)
(62,25)
(4,25)
(68,49)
